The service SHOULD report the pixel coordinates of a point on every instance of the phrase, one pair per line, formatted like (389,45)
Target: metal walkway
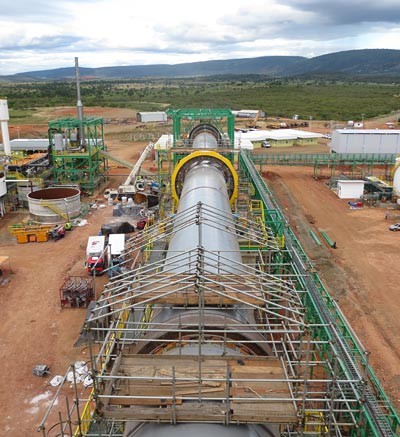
(376,418)
(311,159)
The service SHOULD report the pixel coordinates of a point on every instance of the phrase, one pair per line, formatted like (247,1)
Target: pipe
(21,180)
(204,184)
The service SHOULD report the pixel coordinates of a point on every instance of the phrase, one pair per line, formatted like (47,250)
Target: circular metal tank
(23,189)
(51,204)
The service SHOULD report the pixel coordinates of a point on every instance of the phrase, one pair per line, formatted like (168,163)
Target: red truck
(96,255)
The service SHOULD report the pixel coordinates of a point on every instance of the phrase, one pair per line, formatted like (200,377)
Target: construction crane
(131,184)
(128,186)
(253,122)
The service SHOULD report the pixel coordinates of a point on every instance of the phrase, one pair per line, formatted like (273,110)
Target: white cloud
(41,34)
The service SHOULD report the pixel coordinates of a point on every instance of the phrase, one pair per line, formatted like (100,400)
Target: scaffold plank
(248,389)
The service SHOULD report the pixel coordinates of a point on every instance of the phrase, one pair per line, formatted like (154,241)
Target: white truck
(116,246)
(96,256)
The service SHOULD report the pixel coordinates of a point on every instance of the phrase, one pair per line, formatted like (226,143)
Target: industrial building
(148,117)
(248,113)
(219,325)
(28,145)
(378,141)
(350,189)
(277,137)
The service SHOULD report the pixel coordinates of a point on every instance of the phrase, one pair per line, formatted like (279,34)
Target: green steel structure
(78,160)
(185,119)
(331,160)
(374,413)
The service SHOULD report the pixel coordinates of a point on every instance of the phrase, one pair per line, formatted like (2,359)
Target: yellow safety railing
(86,417)
(256,209)
(87,413)
(280,239)
(315,423)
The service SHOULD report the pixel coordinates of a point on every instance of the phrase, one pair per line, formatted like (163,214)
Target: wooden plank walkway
(169,389)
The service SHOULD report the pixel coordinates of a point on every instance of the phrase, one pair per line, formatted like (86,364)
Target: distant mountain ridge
(352,63)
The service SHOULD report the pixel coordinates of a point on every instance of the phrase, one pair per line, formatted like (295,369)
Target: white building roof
(368,131)
(281,134)
(28,144)
(252,135)
(152,112)
(277,134)
(304,134)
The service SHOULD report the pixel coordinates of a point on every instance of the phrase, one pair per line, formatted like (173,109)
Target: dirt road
(34,328)
(362,273)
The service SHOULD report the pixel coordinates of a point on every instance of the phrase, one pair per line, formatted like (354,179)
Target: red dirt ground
(34,329)
(362,273)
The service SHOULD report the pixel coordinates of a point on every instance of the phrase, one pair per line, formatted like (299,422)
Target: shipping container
(147,117)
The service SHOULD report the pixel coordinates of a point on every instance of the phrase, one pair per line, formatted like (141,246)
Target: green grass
(324,100)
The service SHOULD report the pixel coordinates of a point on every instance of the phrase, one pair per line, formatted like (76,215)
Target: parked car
(395,227)
(266,144)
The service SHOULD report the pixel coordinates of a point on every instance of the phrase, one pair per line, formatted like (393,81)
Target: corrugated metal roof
(277,134)
(28,144)
(368,131)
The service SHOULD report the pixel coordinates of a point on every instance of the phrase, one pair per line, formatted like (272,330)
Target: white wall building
(248,113)
(347,189)
(147,117)
(277,137)
(365,141)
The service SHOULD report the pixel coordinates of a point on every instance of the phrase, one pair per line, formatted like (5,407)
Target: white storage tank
(396,178)
(58,142)
(54,205)
(4,117)
(24,188)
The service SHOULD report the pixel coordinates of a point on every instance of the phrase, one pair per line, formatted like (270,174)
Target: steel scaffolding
(288,356)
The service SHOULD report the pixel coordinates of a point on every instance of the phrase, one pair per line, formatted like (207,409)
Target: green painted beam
(315,238)
(311,159)
(327,238)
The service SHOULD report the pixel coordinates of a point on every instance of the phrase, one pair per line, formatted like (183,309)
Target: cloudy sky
(44,34)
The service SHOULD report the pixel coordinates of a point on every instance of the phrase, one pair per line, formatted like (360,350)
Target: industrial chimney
(79,105)
(4,117)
